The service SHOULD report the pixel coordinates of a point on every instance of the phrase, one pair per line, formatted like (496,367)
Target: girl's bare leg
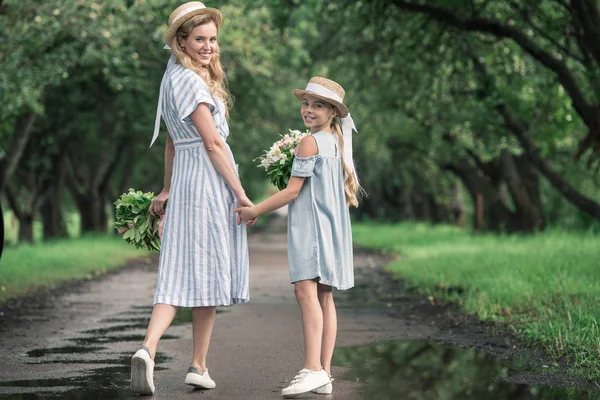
(325,295)
(312,322)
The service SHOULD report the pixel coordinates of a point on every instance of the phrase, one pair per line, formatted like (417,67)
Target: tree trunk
(52,208)
(92,213)
(2,231)
(576,198)
(52,216)
(523,185)
(459,209)
(496,216)
(17,146)
(26,228)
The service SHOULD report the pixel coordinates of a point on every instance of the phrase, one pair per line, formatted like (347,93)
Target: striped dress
(204,253)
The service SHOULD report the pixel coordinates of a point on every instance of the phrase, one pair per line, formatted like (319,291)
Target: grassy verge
(546,287)
(28,267)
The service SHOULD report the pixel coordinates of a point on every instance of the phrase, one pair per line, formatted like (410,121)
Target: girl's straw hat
(187,11)
(326,90)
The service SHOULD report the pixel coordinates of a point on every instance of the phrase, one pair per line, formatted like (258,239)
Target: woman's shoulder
(180,75)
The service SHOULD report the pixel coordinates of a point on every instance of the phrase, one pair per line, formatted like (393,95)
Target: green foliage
(132,215)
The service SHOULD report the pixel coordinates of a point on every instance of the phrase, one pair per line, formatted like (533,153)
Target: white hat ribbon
(347,128)
(160,99)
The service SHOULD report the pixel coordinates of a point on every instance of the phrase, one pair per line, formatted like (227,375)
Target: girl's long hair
(213,73)
(352,187)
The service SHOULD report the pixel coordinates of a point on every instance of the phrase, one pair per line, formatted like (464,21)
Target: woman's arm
(217,149)
(169,155)
(157,207)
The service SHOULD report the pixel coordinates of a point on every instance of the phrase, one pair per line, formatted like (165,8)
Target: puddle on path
(423,370)
(94,384)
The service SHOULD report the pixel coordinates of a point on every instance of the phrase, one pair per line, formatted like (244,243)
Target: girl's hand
(157,207)
(244,201)
(247,214)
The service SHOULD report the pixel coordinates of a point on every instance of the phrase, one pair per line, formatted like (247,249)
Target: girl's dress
(319,230)
(204,253)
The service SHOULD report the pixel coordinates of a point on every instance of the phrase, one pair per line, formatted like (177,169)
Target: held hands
(246,214)
(243,202)
(157,206)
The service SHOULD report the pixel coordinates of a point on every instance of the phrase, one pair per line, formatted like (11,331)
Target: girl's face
(316,113)
(201,43)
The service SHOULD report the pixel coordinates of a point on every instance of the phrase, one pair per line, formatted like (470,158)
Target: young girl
(322,185)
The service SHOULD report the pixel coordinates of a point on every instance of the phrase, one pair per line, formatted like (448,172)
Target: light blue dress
(319,230)
(204,253)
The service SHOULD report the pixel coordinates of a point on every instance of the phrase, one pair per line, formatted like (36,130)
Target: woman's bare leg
(203,320)
(161,318)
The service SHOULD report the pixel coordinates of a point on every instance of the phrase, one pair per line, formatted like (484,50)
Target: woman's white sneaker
(305,381)
(142,372)
(198,379)
(327,389)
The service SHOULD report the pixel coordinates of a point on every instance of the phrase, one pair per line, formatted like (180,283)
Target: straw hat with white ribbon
(187,11)
(332,93)
(326,90)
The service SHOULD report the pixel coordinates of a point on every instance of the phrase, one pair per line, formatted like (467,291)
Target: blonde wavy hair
(352,188)
(213,73)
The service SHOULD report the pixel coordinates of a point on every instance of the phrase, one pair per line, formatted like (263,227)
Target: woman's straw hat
(187,11)
(326,90)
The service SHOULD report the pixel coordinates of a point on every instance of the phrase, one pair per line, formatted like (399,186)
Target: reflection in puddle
(102,383)
(422,370)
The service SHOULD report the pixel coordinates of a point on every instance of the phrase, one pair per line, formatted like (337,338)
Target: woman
(204,253)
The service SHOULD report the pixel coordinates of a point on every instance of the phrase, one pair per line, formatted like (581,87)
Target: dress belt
(185,144)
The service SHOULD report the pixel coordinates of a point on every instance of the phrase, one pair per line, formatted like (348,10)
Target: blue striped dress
(204,253)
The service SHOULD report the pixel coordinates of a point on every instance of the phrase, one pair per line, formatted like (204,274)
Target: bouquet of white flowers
(277,161)
(134,222)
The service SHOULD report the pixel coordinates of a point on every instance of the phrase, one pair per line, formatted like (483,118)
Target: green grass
(546,287)
(26,268)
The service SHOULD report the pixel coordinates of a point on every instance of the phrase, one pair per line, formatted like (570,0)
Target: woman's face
(201,44)
(316,113)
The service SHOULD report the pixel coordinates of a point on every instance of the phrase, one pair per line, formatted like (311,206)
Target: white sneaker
(305,381)
(142,372)
(198,379)
(327,389)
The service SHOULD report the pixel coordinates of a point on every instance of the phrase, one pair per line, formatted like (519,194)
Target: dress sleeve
(303,167)
(191,91)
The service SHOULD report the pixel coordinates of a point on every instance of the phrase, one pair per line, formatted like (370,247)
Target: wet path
(79,346)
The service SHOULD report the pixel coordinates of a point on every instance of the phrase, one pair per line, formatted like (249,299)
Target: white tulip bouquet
(277,161)
(134,222)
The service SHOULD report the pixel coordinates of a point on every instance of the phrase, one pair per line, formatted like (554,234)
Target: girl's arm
(157,207)
(307,148)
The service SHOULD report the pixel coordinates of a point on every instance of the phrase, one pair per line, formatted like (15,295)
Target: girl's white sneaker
(142,372)
(327,389)
(198,379)
(305,381)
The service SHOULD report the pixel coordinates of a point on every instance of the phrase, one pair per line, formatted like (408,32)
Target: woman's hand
(246,214)
(244,201)
(157,207)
